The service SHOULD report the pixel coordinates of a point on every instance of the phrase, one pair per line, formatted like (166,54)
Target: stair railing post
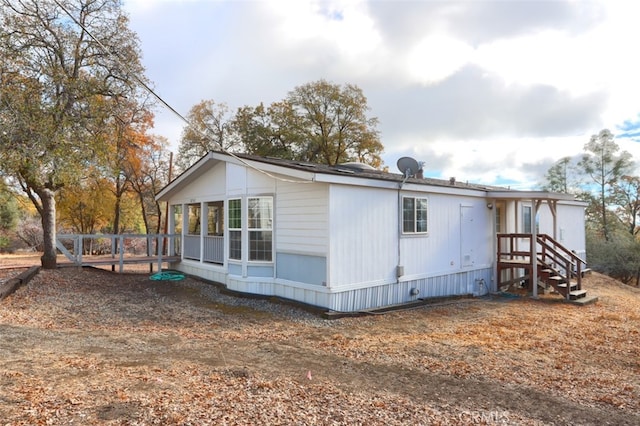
(534,243)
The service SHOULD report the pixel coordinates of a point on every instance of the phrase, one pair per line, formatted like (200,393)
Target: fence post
(121,248)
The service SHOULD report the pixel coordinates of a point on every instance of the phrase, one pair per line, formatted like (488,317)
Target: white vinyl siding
(301,222)
(364,235)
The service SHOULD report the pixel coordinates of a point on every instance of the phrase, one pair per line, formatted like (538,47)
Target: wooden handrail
(551,253)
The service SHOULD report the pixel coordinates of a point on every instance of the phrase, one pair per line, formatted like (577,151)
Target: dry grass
(93,347)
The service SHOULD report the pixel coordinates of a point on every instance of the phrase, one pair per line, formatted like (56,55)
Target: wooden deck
(120,250)
(126,260)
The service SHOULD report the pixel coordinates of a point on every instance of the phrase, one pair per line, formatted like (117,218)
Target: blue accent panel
(235,269)
(260,271)
(302,268)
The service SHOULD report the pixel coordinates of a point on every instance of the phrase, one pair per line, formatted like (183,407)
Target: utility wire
(166,104)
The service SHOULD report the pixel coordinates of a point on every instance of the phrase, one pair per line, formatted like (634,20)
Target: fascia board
(349,180)
(530,195)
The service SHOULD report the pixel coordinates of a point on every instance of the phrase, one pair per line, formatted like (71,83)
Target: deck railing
(119,248)
(547,251)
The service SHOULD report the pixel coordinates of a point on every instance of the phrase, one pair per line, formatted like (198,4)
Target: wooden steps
(557,268)
(577,294)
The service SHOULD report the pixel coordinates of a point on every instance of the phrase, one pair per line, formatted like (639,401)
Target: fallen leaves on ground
(85,346)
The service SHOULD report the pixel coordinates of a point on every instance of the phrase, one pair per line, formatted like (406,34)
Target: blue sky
(487,91)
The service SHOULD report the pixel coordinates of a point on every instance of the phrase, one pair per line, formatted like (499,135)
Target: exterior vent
(357,166)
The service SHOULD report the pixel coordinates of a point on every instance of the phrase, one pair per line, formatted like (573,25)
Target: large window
(215,218)
(260,224)
(414,215)
(194,219)
(235,229)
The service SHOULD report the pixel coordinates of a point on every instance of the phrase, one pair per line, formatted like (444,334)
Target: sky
(486,91)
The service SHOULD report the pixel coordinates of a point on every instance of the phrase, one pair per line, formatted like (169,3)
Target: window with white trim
(235,228)
(195,220)
(414,215)
(260,224)
(526,220)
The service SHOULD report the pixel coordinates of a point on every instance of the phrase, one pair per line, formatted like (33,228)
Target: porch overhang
(530,195)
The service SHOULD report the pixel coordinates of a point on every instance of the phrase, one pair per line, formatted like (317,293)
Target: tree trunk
(48,217)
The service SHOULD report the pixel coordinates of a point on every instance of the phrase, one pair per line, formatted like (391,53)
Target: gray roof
(363,171)
(358,170)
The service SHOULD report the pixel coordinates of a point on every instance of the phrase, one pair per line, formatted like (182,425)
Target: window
(526,220)
(235,229)
(215,218)
(177,219)
(498,218)
(194,219)
(414,215)
(260,213)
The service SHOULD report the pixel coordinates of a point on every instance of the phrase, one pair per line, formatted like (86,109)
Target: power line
(165,103)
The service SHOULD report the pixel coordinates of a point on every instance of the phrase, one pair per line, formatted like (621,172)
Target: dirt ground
(87,346)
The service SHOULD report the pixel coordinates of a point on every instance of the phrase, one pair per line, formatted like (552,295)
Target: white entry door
(469,236)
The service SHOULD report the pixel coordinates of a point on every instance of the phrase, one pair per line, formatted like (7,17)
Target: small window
(235,229)
(414,215)
(526,220)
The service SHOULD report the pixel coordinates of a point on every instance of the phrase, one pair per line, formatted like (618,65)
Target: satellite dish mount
(408,166)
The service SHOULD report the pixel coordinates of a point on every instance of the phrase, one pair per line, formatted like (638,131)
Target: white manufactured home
(350,238)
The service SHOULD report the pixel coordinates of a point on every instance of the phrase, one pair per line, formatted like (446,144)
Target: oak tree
(208,130)
(62,62)
(331,123)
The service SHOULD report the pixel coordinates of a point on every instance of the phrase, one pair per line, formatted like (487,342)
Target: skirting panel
(475,282)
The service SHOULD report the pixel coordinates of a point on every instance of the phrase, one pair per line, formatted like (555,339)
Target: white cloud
(437,57)
(489,90)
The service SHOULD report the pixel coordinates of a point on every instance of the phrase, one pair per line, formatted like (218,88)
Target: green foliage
(601,178)
(605,167)
(209,131)
(61,93)
(9,211)
(318,122)
(331,124)
(562,177)
(618,257)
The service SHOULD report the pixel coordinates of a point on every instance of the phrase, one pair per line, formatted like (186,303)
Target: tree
(331,124)
(264,131)
(148,173)
(126,133)
(558,177)
(56,84)
(85,207)
(626,197)
(317,122)
(605,168)
(208,130)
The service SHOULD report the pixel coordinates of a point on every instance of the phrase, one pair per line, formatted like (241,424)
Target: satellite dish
(408,166)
